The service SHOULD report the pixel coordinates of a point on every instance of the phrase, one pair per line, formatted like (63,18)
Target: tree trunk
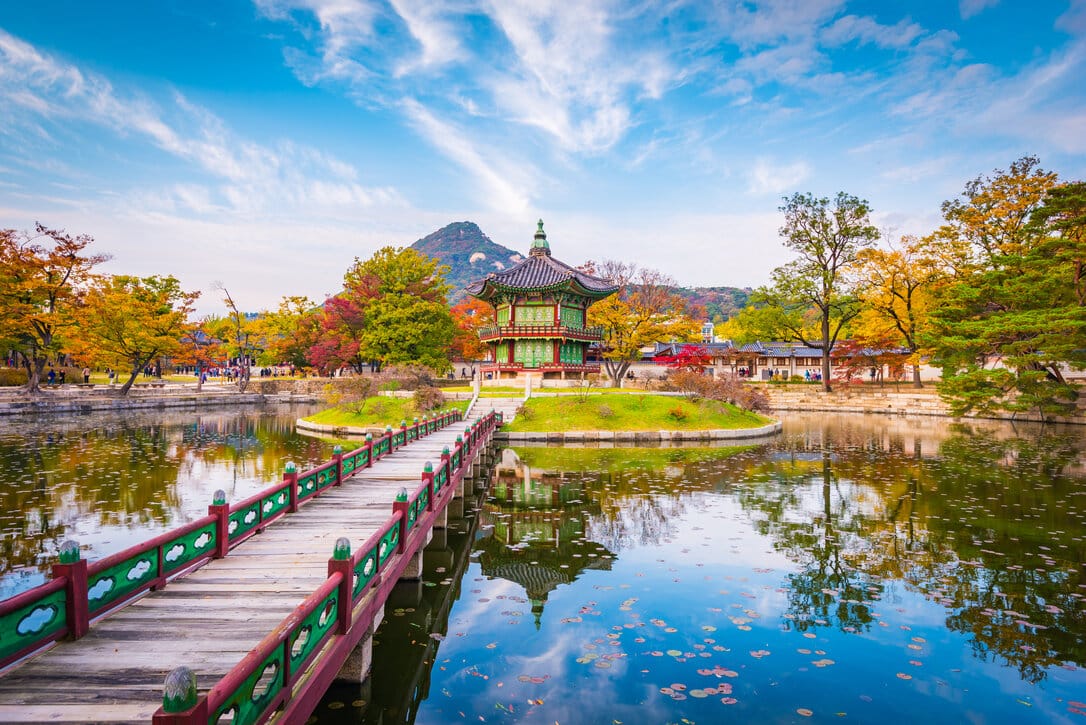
(916,377)
(826,352)
(615,370)
(33,369)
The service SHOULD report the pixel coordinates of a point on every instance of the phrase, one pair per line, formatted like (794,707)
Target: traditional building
(540,309)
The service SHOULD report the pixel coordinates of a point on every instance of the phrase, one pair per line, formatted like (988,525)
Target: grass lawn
(619,459)
(378,411)
(623,411)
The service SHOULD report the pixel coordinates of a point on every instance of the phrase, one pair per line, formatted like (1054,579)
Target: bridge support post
(455,510)
(441,519)
(356,668)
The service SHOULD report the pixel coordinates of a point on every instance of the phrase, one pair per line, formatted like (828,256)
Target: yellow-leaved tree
(895,287)
(128,322)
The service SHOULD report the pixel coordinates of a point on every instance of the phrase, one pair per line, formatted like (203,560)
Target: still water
(113,480)
(863,569)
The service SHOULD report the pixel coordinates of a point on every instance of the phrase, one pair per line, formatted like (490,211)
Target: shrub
(678,413)
(524,412)
(605,411)
(12,376)
(407,377)
(428,397)
(349,393)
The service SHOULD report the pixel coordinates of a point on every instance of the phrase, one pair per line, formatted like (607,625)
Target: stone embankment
(894,401)
(99,398)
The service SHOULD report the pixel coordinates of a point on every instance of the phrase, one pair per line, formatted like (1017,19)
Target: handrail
(270,661)
(83,591)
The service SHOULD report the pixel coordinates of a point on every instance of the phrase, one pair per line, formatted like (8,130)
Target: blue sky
(267,144)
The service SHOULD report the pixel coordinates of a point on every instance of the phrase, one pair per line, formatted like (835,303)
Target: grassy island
(629,412)
(376,412)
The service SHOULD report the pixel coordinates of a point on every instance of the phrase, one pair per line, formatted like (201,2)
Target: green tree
(41,278)
(392,311)
(131,321)
(1013,317)
(287,334)
(813,292)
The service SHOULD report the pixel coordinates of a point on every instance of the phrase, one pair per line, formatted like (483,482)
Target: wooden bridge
(246,598)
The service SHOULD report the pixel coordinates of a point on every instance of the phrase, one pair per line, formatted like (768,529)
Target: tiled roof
(541,271)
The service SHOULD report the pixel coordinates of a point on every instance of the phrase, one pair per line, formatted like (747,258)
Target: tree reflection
(989,527)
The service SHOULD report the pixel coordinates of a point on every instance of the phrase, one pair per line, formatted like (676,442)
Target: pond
(110,481)
(858,568)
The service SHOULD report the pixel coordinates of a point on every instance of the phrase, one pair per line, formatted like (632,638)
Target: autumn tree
(1012,316)
(813,294)
(41,281)
(286,334)
(470,315)
(644,311)
(200,348)
(392,310)
(131,321)
(895,287)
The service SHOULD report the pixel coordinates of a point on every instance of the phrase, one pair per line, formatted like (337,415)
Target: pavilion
(540,307)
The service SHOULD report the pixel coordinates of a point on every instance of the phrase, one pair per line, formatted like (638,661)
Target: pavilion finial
(539,244)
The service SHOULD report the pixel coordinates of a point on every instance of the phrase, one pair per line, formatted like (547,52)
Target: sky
(266,144)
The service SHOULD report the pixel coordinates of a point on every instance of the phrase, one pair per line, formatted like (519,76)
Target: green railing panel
(362,459)
(455,460)
(365,570)
(348,465)
(32,623)
(188,547)
(275,502)
(398,438)
(307,486)
(387,545)
(424,500)
(441,478)
(247,704)
(326,477)
(313,630)
(118,580)
(412,514)
(243,521)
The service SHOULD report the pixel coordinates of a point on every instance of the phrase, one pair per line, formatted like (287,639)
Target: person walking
(86,375)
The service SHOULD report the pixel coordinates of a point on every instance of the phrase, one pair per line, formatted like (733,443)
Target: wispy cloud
(243,177)
(765,177)
(972,8)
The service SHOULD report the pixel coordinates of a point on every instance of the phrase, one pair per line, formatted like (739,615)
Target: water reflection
(112,480)
(862,566)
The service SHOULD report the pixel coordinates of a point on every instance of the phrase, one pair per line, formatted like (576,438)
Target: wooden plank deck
(209,619)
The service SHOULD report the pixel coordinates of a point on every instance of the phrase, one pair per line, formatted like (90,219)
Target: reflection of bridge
(266,626)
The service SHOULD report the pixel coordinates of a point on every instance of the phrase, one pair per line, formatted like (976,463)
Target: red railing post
(445,463)
(428,481)
(290,476)
(341,562)
(76,604)
(337,456)
(400,506)
(221,511)
(403,429)
(369,450)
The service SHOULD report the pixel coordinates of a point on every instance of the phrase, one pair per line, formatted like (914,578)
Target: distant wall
(871,399)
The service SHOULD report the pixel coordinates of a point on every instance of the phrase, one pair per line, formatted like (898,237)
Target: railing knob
(179,690)
(290,467)
(219,498)
(342,549)
(401,497)
(69,552)
(369,437)
(428,468)
(337,450)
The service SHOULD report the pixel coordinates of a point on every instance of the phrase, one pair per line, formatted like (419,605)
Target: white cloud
(867,30)
(971,8)
(765,177)
(507,191)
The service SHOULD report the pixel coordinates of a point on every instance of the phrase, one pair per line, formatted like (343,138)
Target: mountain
(469,253)
(719,303)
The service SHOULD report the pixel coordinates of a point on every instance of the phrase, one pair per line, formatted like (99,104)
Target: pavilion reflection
(538,518)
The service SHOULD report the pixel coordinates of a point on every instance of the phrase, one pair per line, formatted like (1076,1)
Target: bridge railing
(82,591)
(275,673)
